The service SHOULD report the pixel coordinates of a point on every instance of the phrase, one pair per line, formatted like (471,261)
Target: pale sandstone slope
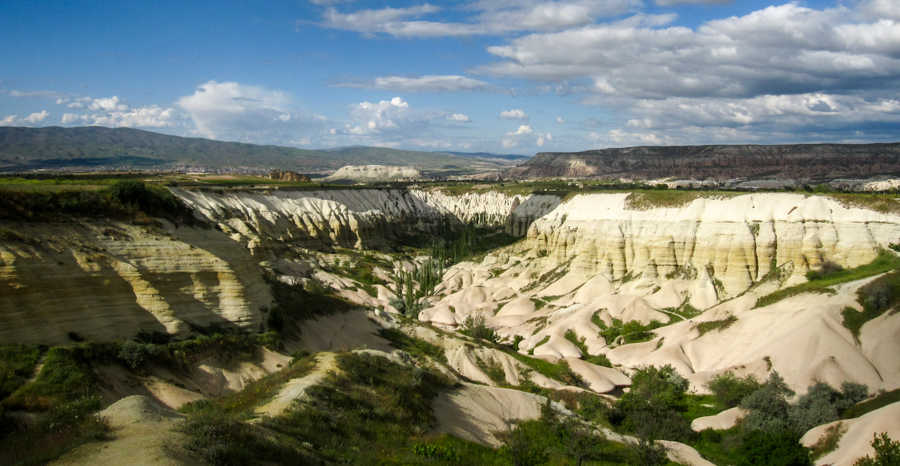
(594,257)
(108,280)
(856,442)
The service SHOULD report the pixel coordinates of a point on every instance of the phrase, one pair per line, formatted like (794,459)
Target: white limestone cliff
(108,280)
(370,173)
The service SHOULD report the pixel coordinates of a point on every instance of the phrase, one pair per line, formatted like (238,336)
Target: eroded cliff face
(735,241)
(594,259)
(106,280)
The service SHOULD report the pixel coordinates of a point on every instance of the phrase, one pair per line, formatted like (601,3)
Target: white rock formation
(856,441)
(370,173)
(593,258)
(109,280)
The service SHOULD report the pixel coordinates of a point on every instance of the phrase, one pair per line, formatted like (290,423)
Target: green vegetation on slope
(884,262)
(128,199)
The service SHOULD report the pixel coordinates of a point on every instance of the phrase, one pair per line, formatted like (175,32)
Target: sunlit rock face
(735,240)
(595,258)
(108,280)
(372,173)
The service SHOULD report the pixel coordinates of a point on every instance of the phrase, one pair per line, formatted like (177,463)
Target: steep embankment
(104,280)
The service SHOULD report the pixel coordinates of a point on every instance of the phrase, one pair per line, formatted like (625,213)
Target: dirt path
(295,388)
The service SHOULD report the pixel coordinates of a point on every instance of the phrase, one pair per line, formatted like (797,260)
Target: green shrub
(729,389)
(65,377)
(887,452)
(653,407)
(768,406)
(137,355)
(52,434)
(876,298)
(474,326)
(778,448)
(632,332)
(432,452)
(881,400)
(17,362)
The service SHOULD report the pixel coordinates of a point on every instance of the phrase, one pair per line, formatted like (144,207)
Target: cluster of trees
(656,406)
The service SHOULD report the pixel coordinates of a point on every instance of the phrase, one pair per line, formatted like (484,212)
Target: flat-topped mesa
(719,162)
(372,173)
(734,242)
(287,175)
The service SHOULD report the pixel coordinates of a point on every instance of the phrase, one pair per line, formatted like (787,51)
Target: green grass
(51,434)
(600,359)
(368,413)
(65,377)
(877,297)
(884,262)
(560,372)
(17,363)
(880,401)
(670,198)
(125,199)
(632,332)
(701,406)
(414,346)
(259,391)
(829,442)
(715,325)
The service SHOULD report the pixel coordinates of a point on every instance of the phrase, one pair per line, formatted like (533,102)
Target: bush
(435,452)
(730,389)
(781,448)
(65,377)
(474,326)
(887,452)
(137,355)
(653,406)
(768,406)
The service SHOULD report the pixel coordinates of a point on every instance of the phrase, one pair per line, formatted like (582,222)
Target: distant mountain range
(94,148)
(820,162)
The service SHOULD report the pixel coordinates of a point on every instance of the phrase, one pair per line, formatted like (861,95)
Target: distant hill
(92,148)
(819,162)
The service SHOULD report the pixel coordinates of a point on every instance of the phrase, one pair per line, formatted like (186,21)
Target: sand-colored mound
(856,441)
(722,421)
(143,434)
(476,413)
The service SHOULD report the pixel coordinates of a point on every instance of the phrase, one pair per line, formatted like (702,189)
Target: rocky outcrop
(734,241)
(286,175)
(597,258)
(371,173)
(481,208)
(363,218)
(535,206)
(109,280)
(802,161)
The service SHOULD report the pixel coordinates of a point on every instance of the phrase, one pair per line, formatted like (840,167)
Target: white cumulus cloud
(514,114)
(35,119)
(459,117)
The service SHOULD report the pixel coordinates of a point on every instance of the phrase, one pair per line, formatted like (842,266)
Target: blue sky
(507,76)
